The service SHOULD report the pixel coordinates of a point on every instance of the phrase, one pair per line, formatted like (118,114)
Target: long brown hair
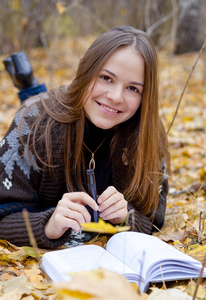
(146,143)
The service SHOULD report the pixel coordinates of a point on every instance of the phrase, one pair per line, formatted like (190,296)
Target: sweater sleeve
(13,229)
(138,222)
(31,91)
(160,212)
(21,183)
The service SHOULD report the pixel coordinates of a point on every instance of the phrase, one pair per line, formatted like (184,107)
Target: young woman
(106,118)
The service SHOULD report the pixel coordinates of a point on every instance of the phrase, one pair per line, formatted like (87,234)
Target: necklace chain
(92,161)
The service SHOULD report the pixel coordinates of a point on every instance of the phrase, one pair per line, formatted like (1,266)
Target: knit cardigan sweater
(23,185)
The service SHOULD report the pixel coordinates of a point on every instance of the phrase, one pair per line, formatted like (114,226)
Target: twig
(156,228)
(177,182)
(162,21)
(141,269)
(201,50)
(164,285)
(6,97)
(29,230)
(188,245)
(199,234)
(201,226)
(199,278)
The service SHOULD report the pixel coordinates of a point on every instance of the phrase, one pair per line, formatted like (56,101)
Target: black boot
(20,70)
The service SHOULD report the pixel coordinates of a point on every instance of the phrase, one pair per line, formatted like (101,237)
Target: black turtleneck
(93,137)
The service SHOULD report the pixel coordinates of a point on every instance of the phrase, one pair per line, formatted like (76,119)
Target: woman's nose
(115,93)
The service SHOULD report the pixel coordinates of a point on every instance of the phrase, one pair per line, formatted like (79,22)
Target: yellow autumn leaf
(176,242)
(65,294)
(60,6)
(9,246)
(103,227)
(21,255)
(100,284)
(5,258)
(198,253)
(202,173)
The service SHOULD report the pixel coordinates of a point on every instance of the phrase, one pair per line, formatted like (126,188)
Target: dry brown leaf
(35,276)
(9,246)
(15,288)
(171,235)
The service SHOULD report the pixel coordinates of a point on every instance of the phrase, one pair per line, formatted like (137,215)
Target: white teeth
(110,109)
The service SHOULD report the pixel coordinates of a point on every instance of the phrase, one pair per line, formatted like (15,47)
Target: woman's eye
(133,89)
(106,78)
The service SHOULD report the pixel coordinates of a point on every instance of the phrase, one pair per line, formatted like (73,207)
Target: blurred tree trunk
(189,36)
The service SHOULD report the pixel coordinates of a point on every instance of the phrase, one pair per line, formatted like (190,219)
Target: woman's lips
(109,109)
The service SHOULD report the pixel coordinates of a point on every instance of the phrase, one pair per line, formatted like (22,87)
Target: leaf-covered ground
(184,224)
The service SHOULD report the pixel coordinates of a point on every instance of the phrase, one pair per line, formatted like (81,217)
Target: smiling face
(116,94)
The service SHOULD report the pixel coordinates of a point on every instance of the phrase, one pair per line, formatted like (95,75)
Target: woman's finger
(73,210)
(81,198)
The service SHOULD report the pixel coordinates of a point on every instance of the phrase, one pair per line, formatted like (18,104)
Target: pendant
(92,162)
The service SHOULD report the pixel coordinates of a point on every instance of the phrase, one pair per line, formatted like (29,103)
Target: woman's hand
(112,206)
(69,213)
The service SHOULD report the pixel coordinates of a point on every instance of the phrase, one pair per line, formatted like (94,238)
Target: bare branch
(154,26)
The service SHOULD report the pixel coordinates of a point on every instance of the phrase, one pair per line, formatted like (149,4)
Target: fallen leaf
(98,284)
(6,276)
(35,276)
(31,252)
(201,292)
(171,235)
(198,253)
(8,245)
(103,227)
(99,240)
(15,288)
(168,294)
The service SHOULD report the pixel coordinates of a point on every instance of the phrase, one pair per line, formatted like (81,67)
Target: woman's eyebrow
(132,82)
(137,83)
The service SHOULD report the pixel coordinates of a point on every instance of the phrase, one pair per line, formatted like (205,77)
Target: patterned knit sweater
(23,185)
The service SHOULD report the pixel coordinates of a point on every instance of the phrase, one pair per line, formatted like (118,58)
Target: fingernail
(99,200)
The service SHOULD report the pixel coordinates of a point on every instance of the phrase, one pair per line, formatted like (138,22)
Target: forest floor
(186,206)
